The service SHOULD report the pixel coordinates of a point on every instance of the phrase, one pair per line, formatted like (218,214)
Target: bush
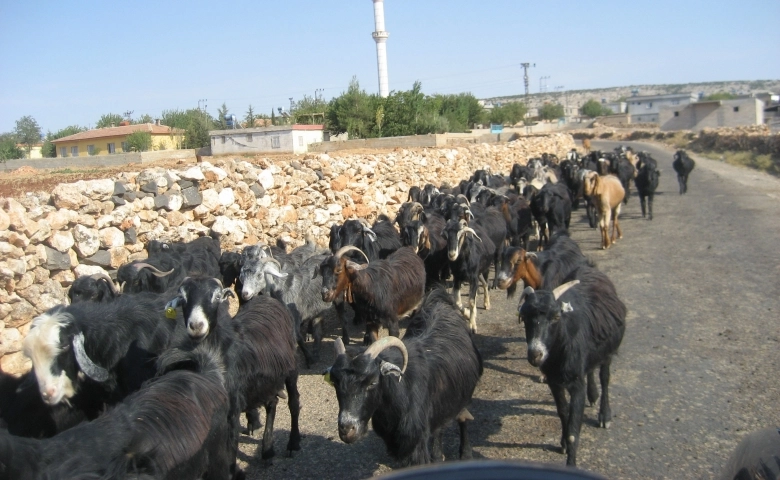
(139,142)
(606,135)
(639,135)
(583,135)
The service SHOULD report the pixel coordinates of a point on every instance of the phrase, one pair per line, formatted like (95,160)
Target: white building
(644,109)
(283,139)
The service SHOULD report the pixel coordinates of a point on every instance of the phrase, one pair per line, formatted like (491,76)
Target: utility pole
(526,66)
(543,89)
(203,100)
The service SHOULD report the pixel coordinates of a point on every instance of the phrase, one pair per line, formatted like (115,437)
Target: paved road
(697,370)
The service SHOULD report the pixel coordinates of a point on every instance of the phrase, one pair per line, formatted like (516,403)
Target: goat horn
(104,276)
(386,342)
(346,249)
(471,231)
(90,369)
(526,291)
(560,290)
(339,346)
(416,207)
(271,260)
(155,271)
(122,287)
(367,228)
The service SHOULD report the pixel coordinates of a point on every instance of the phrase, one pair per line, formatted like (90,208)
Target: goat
(544,270)
(536,203)
(569,332)
(470,251)
(257,347)
(113,344)
(173,427)
(412,394)
(556,205)
(93,288)
(586,144)
(607,194)
(298,289)
(518,216)
(646,183)
(381,291)
(683,165)
(425,237)
(625,171)
(155,274)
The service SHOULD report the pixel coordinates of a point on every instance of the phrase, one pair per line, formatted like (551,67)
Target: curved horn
(527,291)
(560,290)
(339,346)
(95,372)
(122,287)
(104,276)
(367,229)
(386,342)
(267,260)
(416,208)
(471,231)
(155,271)
(346,249)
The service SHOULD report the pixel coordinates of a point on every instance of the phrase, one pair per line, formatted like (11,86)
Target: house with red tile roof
(104,141)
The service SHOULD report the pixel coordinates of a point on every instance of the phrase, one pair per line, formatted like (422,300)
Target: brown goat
(586,144)
(607,193)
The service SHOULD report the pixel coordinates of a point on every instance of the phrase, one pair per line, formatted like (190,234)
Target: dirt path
(698,367)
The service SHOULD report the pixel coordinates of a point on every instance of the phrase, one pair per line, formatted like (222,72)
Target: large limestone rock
(87,240)
(61,241)
(111,237)
(69,196)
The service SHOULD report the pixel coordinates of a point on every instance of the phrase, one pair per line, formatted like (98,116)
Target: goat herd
(149,380)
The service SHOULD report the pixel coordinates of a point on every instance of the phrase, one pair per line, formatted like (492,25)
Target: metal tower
(380,37)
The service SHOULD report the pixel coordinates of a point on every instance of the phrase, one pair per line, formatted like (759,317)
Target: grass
(70,170)
(763,163)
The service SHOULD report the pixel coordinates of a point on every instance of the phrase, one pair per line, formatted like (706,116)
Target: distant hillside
(612,94)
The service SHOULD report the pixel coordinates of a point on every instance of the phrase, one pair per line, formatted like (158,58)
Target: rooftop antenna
(128,114)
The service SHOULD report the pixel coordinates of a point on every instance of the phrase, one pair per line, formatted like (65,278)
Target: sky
(68,63)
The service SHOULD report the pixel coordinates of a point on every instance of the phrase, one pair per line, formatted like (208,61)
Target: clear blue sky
(67,63)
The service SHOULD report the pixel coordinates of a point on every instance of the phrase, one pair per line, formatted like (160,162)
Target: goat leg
(562,407)
(252,421)
(436,451)
(484,283)
(576,410)
(593,391)
(605,414)
(465,446)
(294,404)
(267,447)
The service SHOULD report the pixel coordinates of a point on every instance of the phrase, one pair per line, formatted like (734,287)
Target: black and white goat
(570,332)
(173,427)
(410,389)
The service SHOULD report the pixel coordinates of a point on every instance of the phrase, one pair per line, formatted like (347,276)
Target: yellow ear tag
(170,313)
(327,379)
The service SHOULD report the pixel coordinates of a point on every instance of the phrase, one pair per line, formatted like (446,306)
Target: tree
(8,148)
(273,117)
(249,120)
(593,109)
(551,111)
(28,133)
(196,132)
(49,150)
(108,120)
(354,112)
(309,111)
(497,116)
(139,142)
(721,96)
(515,112)
(145,118)
(222,113)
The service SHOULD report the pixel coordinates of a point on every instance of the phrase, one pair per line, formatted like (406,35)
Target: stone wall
(48,239)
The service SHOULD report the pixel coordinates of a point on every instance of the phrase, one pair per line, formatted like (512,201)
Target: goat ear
(176,302)
(226,292)
(566,307)
(387,368)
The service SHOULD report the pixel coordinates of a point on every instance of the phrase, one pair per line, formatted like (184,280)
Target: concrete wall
(100,160)
(303,138)
(614,120)
(726,113)
(257,140)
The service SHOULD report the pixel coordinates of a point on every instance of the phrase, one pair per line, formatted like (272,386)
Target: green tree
(497,115)
(28,133)
(354,112)
(196,132)
(108,120)
(49,150)
(145,118)
(551,111)
(721,96)
(139,142)
(309,111)
(8,148)
(592,109)
(222,113)
(515,112)
(273,117)
(249,120)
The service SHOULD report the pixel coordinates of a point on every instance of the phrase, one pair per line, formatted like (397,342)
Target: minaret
(380,37)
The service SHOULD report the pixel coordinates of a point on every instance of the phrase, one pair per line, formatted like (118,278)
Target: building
(645,109)
(105,141)
(35,151)
(712,113)
(283,139)
(616,107)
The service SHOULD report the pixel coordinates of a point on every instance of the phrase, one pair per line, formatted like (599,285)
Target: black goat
(257,347)
(381,291)
(425,237)
(114,344)
(412,394)
(518,217)
(93,288)
(556,205)
(625,171)
(646,183)
(470,251)
(683,165)
(570,332)
(174,427)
